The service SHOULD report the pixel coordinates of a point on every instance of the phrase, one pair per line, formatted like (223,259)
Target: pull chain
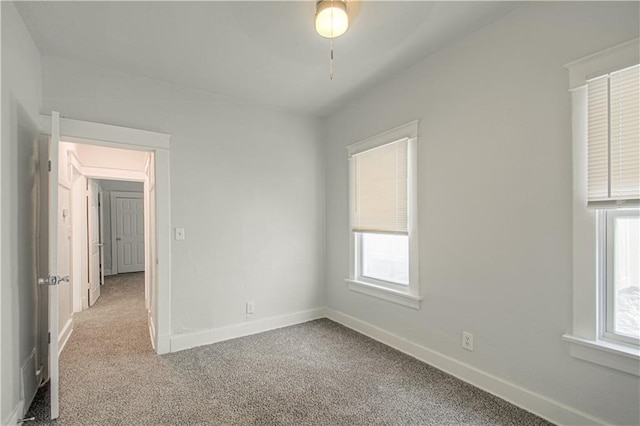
(331,46)
(331,59)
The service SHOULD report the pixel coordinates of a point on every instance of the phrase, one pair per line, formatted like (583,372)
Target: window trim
(403,295)
(584,340)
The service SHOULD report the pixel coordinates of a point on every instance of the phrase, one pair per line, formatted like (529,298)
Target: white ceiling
(263,52)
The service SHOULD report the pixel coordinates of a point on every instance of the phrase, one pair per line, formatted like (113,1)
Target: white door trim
(114,195)
(79,131)
(89,133)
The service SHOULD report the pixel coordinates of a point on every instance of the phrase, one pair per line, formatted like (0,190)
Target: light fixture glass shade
(331,18)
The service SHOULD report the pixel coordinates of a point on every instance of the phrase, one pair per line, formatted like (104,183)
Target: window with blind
(382,175)
(613,139)
(613,188)
(379,212)
(604,89)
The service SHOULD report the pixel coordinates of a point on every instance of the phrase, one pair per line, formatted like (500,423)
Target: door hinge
(49,338)
(49,165)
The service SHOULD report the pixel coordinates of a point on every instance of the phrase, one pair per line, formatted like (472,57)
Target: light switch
(179,233)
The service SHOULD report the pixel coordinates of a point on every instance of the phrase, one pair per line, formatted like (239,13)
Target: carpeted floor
(317,373)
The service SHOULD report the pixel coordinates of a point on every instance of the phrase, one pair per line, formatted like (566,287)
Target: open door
(101,232)
(54,268)
(94,244)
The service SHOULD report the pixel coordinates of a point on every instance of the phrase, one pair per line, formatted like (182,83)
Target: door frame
(114,195)
(89,133)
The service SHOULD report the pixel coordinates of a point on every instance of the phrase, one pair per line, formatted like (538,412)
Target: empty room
(333,212)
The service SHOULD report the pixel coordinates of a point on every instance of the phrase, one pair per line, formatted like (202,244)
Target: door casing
(89,133)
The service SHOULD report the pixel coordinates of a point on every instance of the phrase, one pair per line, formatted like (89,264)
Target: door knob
(53,280)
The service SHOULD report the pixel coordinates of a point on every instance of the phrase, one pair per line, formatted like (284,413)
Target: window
(383,222)
(606,208)
(613,182)
(620,257)
(385,257)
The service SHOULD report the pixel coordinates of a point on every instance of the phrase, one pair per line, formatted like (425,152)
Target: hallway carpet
(316,373)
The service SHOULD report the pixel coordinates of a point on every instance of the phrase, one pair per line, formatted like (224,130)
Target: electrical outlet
(179,233)
(467,341)
(251,305)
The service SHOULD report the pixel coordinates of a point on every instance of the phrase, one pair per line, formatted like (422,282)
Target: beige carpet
(317,373)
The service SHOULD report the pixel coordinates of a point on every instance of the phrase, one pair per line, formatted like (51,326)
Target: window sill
(383,293)
(608,354)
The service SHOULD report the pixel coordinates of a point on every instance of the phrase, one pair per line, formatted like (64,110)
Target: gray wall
(246,184)
(108,186)
(21,101)
(495,201)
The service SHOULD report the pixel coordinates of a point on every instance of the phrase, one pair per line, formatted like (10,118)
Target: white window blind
(614,139)
(379,189)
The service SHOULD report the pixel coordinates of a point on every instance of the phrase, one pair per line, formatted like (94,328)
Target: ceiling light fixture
(331,21)
(331,18)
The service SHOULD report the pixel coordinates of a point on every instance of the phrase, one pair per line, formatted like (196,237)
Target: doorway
(81,138)
(113,219)
(116,231)
(127,231)
(156,166)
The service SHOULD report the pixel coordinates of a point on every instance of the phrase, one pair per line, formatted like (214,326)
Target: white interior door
(53,278)
(94,244)
(101,234)
(130,234)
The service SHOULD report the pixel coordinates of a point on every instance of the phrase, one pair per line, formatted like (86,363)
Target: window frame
(585,340)
(405,295)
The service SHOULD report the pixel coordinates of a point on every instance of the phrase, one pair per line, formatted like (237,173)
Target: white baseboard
(542,406)
(15,415)
(185,341)
(107,272)
(65,333)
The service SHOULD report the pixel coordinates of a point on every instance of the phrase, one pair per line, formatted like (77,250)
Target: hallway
(109,373)
(105,366)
